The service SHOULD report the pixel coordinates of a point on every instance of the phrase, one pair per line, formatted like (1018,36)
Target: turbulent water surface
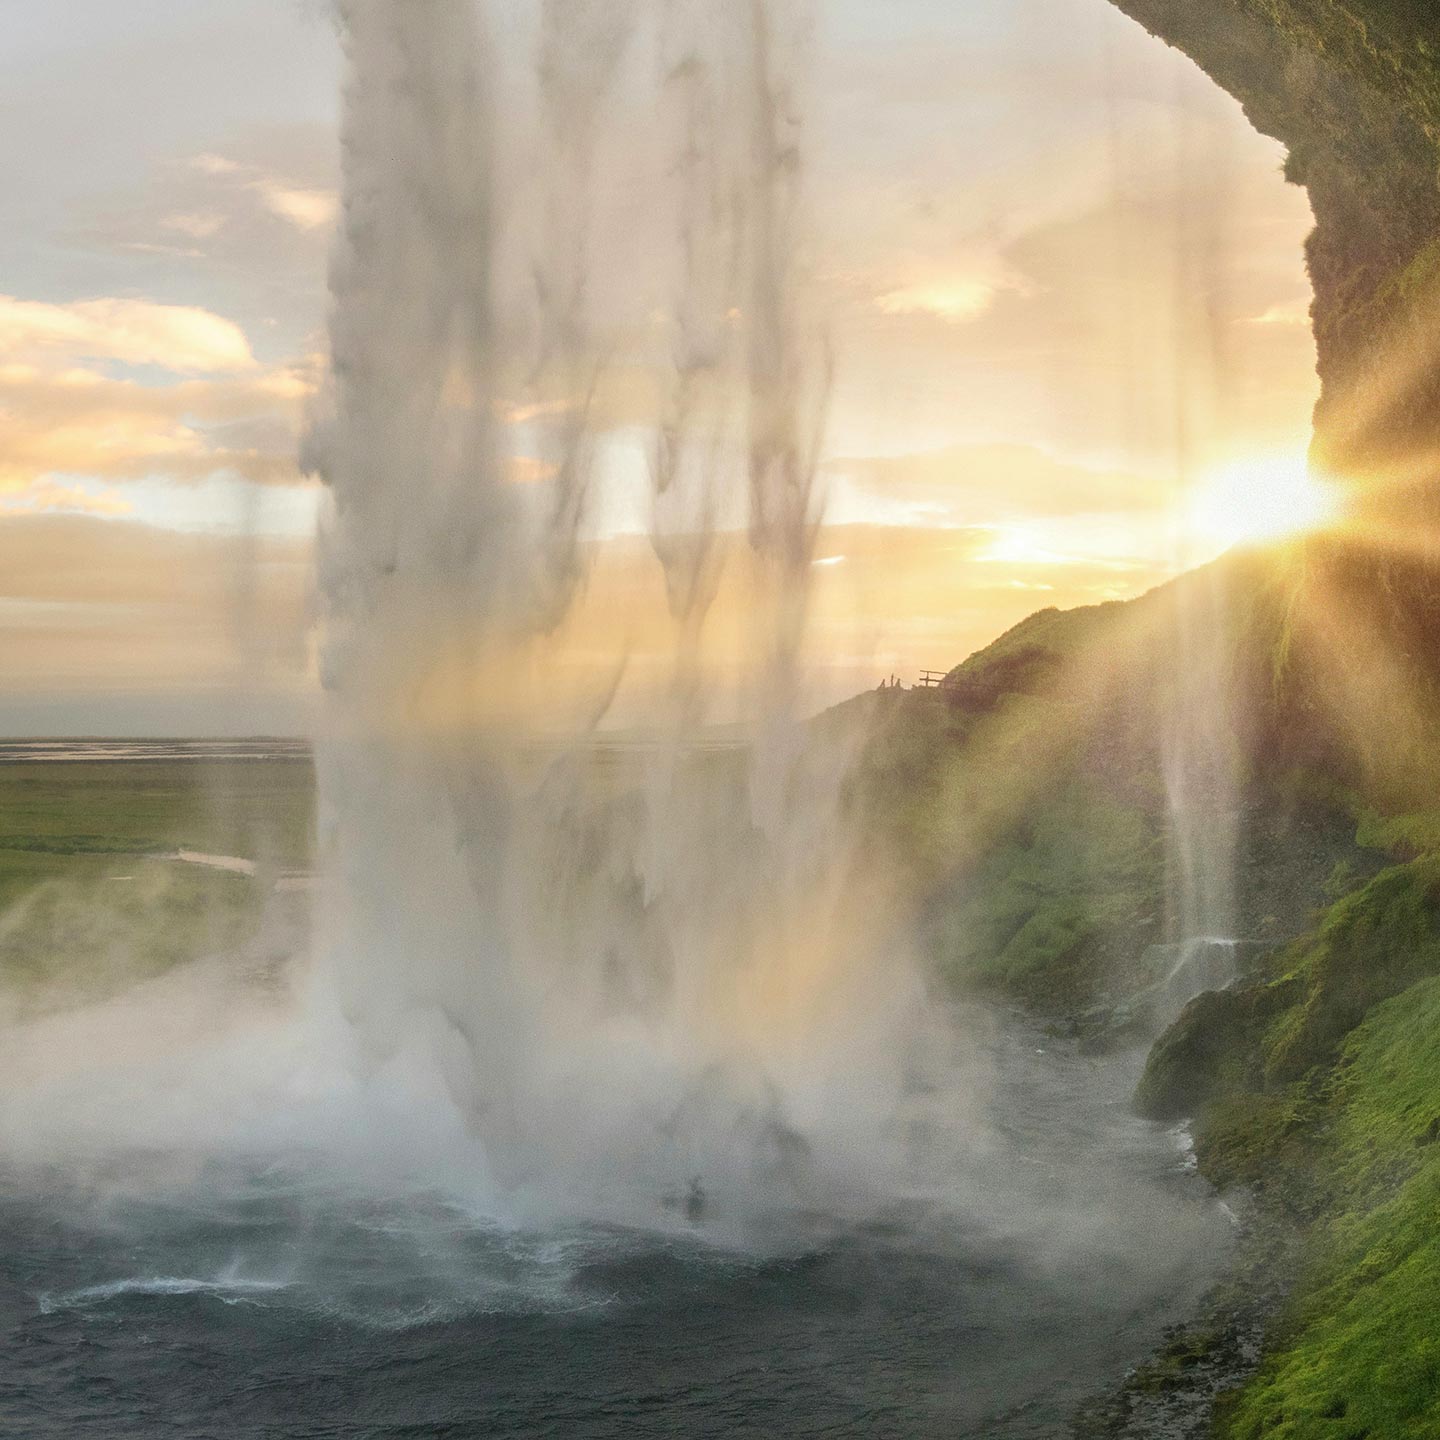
(248,1300)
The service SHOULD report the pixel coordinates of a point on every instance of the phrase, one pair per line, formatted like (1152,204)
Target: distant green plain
(91,896)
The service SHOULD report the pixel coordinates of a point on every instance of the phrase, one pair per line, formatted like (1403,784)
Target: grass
(88,900)
(135,807)
(1319,1089)
(1370,945)
(1036,912)
(1029,798)
(1316,1085)
(1358,1356)
(1404,836)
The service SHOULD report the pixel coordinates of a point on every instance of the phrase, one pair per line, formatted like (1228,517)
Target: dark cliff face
(1352,89)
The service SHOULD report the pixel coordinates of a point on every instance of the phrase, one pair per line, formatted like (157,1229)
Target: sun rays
(1269,497)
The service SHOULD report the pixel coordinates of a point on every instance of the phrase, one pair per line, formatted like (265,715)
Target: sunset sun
(1261,498)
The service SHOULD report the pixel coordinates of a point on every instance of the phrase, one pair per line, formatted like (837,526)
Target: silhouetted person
(695,1202)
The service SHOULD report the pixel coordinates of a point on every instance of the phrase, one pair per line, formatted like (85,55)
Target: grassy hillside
(1033,795)
(1334,1124)
(1358,1352)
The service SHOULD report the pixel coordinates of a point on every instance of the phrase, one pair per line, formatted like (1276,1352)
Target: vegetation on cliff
(1316,1084)
(1035,802)
(1032,795)
(1357,1353)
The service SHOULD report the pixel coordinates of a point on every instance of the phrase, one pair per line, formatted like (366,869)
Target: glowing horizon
(1021,361)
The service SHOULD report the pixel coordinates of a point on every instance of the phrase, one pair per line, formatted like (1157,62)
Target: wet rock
(1210,1050)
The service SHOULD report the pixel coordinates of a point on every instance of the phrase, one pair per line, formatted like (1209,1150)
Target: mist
(655,987)
(559,1013)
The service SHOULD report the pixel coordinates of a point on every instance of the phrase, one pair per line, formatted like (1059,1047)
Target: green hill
(1035,795)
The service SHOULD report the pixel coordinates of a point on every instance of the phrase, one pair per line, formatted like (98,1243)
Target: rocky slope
(1035,794)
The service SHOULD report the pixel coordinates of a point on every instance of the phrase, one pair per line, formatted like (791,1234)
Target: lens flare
(1262,498)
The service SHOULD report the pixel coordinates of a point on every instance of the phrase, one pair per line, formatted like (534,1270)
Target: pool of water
(248,1299)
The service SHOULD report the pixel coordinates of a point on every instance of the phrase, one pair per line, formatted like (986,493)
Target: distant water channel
(31,752)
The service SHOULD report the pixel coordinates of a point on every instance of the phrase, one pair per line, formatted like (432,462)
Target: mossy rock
(1210,1051)
(1261,1141)
(1372,944)
(1358,1353)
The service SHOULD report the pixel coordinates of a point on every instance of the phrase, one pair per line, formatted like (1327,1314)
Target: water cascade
(1200,755)
(624,974)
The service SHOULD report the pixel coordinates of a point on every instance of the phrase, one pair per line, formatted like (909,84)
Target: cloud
(61,419)
(950,300)
(91,608)
(45,495)
(986,485)
(196,226)
(75,421)
(905,598)
(306,207)
(97,604)
(208,164)
(246,226)
(182,338)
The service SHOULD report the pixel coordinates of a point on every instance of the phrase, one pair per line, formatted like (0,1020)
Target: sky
(1060,276)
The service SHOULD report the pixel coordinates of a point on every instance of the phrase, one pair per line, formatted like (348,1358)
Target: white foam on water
(228,1290)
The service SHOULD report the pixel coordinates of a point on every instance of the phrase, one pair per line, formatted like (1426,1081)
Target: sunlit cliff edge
(1352,89)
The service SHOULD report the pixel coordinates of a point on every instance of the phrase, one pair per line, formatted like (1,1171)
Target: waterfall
(1201,763)
(1200,751)
(627,973)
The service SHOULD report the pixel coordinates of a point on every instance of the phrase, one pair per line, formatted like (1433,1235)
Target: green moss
(1178,1359)
(1414,285)
(1029,803)
(1261,1038)
(1258,1139)
(1320,1089)
(1211,1052)
(1404,836)
(1371,945)
(1036,909)
(1359,1352)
